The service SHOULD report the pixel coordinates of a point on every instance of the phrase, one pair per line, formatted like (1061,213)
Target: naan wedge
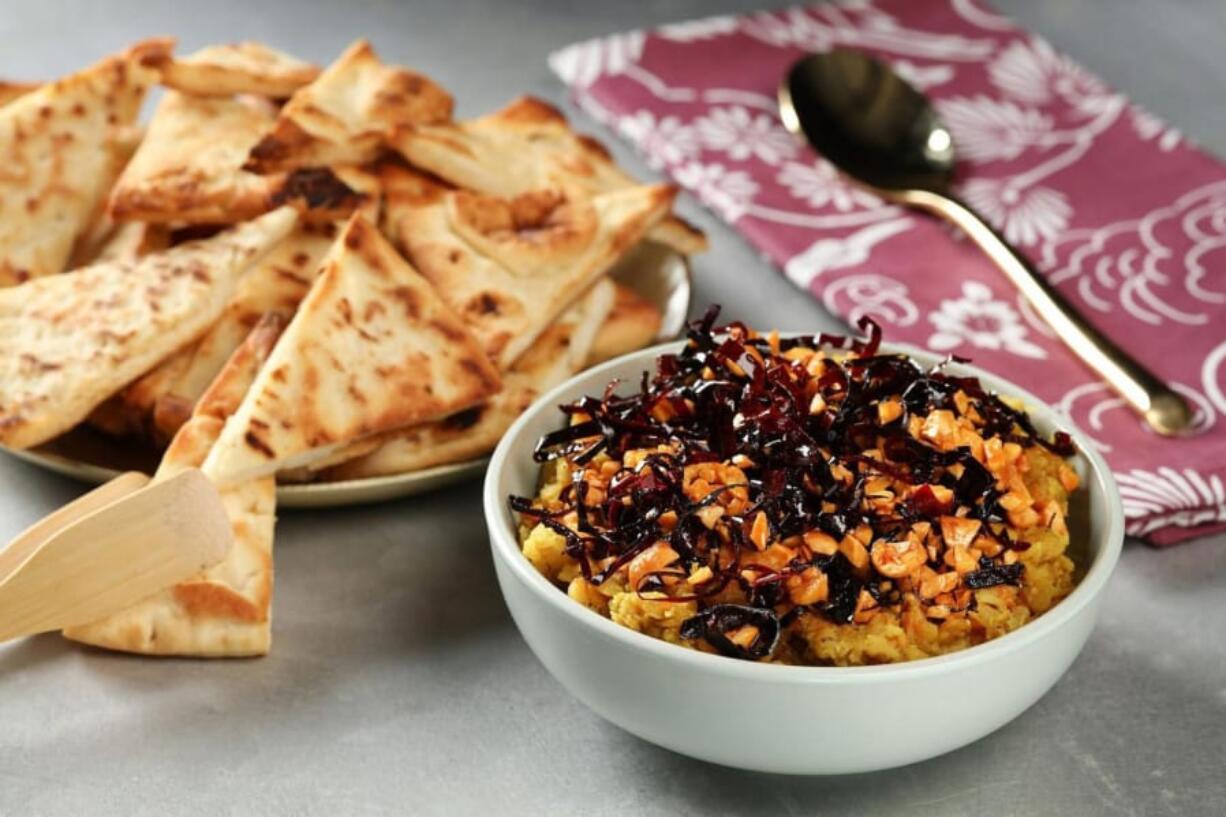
(160,402)
(188,169)
(631,324)
(371,348)
(226,611)
(103,234)
(344,116)
(526,146)
(11,90)
(127,241)
(237,68)
(61,144)
(69,341)
(556,355)
(509,267)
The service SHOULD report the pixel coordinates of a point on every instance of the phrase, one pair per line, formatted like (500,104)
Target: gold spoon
(884,134)
(108,550)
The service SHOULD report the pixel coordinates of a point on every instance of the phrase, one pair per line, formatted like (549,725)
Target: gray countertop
(398,684)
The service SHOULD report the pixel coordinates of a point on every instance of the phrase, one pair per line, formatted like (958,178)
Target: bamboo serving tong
(109,549)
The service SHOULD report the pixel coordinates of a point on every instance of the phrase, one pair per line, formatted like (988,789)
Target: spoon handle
(1163,409)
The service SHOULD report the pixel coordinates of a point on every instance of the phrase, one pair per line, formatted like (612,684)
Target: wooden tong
(109,549)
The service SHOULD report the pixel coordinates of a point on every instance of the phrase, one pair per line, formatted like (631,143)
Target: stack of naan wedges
(291,273)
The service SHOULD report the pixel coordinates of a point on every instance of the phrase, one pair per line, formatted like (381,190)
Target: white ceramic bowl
(800,720)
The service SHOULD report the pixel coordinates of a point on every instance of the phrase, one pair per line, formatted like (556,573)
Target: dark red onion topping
(725,394)
(714,623)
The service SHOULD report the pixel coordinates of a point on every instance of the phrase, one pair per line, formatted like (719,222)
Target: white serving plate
(656,272)
(792,719)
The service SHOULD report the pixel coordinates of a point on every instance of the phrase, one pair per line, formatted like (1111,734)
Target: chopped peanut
(898,559)
(840,472)
(653,559)
(1068,478)
(1051,517)
(702,478)
(938,583)
(709,515)
(961,560)
(943,495)
(1013,501)
(668,520)
(888,411)
(939,428)
(856,553)
(760,532)
(820,543)
(776,557)
(958,531)
(744,636)
(810,586)
(937,611)
(961,401)
(866,606)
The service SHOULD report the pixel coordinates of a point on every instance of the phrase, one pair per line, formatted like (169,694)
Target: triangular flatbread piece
(632,323)
(371,348)
(343,117)
(237,68)
(188,169)
(526,146)
(102,234)
(11,90)
(69,341)
(162,400)
(226,611)
(556,355)
(127,241)
(509,267)
(61,145)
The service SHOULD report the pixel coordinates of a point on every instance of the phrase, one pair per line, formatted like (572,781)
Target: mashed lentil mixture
(803,501)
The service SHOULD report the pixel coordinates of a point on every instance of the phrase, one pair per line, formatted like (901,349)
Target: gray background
(398,684)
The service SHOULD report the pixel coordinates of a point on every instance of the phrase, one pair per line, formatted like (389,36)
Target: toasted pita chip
(509,267)
(12,90)
(556,355)
(343,117)
(104,233)
(226,611)
(129,242)
(188,169)
(371,348)
(237,68)
(61,144)
(278,282)
(632,324)
(72,340)
(160,402)
(525,146)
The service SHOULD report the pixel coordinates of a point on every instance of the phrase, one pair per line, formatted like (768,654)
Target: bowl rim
(506,548)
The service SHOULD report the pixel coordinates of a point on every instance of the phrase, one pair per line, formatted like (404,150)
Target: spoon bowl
(868,121)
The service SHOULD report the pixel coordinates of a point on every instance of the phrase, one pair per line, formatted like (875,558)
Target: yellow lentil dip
(797,503)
